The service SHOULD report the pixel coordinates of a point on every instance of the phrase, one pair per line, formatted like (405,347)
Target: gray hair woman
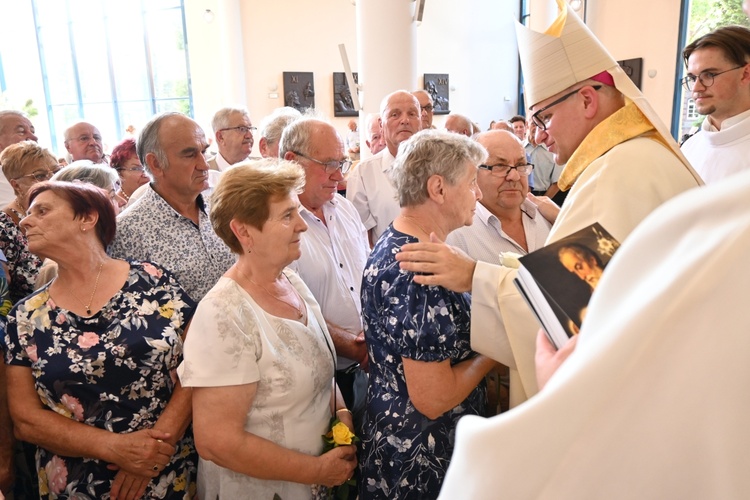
(260,360)
(423,374)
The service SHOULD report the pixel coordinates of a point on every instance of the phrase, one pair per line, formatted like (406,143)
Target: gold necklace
(296,309)
(91,299)
(414,221)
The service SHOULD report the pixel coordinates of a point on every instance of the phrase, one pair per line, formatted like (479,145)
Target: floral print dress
(115,370)
(23,265)
(404,453)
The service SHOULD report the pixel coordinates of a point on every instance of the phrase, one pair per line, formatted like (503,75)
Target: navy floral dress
(404,454)
(115,370)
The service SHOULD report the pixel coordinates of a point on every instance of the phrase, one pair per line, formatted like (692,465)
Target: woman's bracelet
(343,409)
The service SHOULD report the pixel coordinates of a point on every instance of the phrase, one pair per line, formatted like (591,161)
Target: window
(690,111)
(111,63)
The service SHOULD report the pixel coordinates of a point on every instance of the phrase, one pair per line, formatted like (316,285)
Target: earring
(83,229)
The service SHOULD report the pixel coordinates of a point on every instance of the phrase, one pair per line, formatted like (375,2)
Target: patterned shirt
(23,265)
(152,230)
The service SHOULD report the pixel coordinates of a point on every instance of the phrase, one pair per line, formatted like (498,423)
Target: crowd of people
(178,325)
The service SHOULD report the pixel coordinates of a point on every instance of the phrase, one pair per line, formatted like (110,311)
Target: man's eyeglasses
(501,170)
(41,175)
(705,77)
(241,128)
(543,121)
(330,166)
(428,109)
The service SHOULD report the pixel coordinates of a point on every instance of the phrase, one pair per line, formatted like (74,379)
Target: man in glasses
(718,77)
(84,142)
(234,136)
(426,107)
(505,221)
(334,249)
(620,160)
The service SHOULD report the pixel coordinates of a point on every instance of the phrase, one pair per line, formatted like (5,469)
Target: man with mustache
(370,187)
(718,75)
(84,142)
(234,135)
(170,223)
(505,221)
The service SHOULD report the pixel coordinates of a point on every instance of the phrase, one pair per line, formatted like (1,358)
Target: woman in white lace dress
(259,357)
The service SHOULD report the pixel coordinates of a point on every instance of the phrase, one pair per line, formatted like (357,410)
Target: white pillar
(386,53)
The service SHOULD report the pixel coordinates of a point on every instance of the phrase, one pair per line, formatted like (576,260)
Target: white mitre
(568,53)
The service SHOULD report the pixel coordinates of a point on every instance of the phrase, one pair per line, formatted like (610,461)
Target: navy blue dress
(405,454)
(115,370)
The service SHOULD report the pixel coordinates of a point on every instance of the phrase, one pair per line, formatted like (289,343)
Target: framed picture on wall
(633,68)
(436,84)
(299,90)
(342,96)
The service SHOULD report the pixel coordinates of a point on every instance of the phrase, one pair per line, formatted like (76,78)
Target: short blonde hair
(245,192)
(16,157)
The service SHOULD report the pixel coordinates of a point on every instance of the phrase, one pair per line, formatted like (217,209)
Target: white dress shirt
(372,192)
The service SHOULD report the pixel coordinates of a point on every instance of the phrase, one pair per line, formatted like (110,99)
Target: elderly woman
(259,358)
(100,176)
(24,165)
(125,161)
(99,347)
(423,374)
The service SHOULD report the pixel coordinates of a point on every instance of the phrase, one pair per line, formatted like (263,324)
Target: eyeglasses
(241,128)
(131,169)
(41,175)
(501,170)
(428,109)
(705,77)
(543,121)
(330,166)
(87,138)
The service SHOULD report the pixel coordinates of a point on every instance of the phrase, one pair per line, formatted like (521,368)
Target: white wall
(241,54)
(647,29)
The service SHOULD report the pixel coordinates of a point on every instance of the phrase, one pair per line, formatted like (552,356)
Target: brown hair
(83,199)
(733,41)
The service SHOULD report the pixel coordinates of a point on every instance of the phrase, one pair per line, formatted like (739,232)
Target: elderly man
(426,106)
(505,221)
(334,249)
(84,142)
(170,224)
(622,159)
(271,128)
(14,127)
(370,187)
(459,124)
(546,171)
(234,136)
(352,141)
(718,65)
(375,141)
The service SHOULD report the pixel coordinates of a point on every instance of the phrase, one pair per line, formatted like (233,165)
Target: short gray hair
(98,174)
(221,118)
(432,152)
(297,135)
(273,125)
(148,140)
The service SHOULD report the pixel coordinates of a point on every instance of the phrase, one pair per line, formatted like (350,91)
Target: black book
(557,281)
